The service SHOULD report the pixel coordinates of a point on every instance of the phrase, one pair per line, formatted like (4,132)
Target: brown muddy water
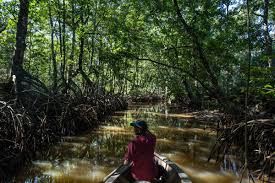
(91,156)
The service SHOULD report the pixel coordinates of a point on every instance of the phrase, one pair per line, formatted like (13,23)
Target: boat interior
(169,172)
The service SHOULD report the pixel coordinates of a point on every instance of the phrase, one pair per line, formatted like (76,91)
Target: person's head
(140,127)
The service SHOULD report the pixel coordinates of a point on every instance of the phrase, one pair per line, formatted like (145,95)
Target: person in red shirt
(140,153)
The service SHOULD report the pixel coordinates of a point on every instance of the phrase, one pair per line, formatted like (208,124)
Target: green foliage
(269,90)
(142,46)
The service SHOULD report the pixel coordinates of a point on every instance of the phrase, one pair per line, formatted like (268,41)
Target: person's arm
(153,138)
(129,154)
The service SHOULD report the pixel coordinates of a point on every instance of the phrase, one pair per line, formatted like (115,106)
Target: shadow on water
(90,157)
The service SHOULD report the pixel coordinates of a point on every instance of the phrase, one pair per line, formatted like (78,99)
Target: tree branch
(173,67)
(199,49)
(172,48)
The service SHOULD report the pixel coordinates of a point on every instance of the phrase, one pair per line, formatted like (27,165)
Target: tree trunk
(72,54)
(59,28)
(268,41)
(21,34)
(198,48)
(73,29)
(64,40)
(52,50)
(81,54)
(93,43)
(80,62)
(61,42)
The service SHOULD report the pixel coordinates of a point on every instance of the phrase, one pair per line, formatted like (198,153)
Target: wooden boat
(172,173)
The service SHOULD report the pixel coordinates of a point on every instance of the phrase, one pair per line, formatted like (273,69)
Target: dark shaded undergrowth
(146,98)
(230,128)
(260,133)
(260,144)
(30,126)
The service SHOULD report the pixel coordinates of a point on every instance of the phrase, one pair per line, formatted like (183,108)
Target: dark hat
(139,124)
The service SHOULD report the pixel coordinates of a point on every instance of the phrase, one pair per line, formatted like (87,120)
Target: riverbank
(26,130)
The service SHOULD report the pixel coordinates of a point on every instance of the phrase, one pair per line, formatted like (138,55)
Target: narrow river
(91,156)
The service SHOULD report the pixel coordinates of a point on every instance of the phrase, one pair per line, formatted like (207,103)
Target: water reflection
(90,157)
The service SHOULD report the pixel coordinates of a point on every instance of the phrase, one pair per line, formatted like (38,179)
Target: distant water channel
(91,156)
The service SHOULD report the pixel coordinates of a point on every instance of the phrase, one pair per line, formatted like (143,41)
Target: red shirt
(141,154)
